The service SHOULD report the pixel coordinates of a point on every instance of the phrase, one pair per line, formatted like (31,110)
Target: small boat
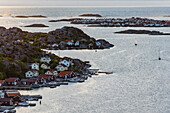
(159,57)
(136,43)
(32,99)
(32,104)
(53,86)
(23,104)
(73,79)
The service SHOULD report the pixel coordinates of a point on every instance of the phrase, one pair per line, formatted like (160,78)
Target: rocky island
(33,16)
(90,15)
(25,66)
(119,22)
(18,49)
(36,25)
(131,31)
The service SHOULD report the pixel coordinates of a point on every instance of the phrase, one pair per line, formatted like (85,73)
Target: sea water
(139,83)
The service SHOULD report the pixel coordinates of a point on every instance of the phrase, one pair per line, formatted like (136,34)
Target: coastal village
(61,74)
(119,22)
(25,66)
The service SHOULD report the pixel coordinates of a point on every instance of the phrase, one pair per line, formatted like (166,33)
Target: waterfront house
(69,42)
(32,81)
(11,81)
(77,43)
(45,60)
(66,74)
(35,66)
(2,83)
(31,73)
(7,101)
(98,44)
(61,67)
(52,72)
(14,94)
(41,80)
(62,44)
(2,94)
(23,81)
(65,62)
(90,46)
(45,66)
(55,45)
(46,78)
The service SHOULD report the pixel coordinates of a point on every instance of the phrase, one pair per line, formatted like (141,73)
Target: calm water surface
(139,83)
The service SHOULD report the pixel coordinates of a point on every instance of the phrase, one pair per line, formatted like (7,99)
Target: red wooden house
(66,74)
(7,101)
(12,81)
(32,81)
(14,94)
(46,78)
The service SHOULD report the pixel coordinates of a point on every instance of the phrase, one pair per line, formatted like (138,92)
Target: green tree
(1,76)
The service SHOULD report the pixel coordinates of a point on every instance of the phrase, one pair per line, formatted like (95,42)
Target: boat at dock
(75,79)
(32,104)
(52,86)
(106,72)
(25,104)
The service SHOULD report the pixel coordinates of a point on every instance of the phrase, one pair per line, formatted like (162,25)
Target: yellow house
(45,66)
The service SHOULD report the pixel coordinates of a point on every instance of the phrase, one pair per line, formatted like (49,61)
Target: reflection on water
(139,83)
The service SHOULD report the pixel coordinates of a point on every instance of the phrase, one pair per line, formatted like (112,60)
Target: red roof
(10,79)
(34,71)
(2,81)
(32,80)
(13,94)
(64,73)
(45,76)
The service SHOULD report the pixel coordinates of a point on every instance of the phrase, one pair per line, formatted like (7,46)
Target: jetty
(106,72)
(15,88)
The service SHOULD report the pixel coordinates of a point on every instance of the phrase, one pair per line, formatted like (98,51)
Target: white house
(54,45)
(32,73)
(77,43)
(35,66)
(61,67)
(98,44)
(2,94)
(20,40)
(65,62)
(31,42)
(69,42)
(45,60)
(52,72)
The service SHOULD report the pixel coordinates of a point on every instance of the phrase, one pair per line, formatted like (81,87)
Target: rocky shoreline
(131,31)
(18,47)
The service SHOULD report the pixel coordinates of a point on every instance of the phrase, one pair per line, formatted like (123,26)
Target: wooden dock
(15,88)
